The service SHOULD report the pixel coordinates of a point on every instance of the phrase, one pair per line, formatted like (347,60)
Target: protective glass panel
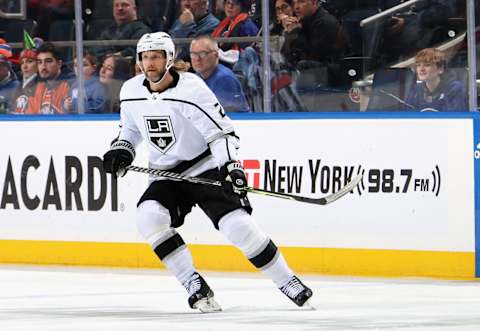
(324,55)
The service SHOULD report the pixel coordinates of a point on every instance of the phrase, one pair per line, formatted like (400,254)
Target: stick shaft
(207,181)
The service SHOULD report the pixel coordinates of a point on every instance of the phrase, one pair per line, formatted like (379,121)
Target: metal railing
(387,12)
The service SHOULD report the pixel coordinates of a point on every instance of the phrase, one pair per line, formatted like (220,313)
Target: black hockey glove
(234,178)
(118,157)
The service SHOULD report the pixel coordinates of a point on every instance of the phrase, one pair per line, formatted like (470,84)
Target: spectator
(256,9)
(94,90)
(8,79)
(236,23)
(284,15)
(114,71)
(126,26)
(28,67)
(436,89)
(53,87)
(220,79)
(194,20)
(313,34)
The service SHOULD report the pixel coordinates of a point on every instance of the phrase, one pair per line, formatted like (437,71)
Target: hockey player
(187,132)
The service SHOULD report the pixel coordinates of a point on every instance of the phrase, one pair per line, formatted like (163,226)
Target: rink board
(412,215)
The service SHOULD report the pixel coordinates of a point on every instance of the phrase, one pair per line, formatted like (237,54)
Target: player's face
(48,66)
(153,63)
(28,67)
(428,71)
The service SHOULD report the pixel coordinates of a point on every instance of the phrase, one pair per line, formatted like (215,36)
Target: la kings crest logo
(160,132)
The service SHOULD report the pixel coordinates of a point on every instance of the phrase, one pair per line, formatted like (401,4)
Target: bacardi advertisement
(417,190)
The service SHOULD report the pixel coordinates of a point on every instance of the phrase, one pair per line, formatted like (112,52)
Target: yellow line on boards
(326,261)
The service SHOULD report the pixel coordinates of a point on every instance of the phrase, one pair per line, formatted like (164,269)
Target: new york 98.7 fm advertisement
(417,189)
(416,192)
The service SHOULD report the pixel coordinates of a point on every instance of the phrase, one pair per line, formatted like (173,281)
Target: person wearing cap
(28,67)
(8,79)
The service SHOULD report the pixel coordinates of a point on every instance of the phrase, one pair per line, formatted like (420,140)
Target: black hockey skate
(296,291)
(201,295)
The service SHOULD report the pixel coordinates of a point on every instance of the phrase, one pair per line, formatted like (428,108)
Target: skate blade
(208,305)
(308,306)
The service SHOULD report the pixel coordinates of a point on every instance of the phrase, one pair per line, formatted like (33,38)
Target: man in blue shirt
(195,20)
(220,79)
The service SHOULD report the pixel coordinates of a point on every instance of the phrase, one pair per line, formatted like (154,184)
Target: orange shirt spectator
(52,91)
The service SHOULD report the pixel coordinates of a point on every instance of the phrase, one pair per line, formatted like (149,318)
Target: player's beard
(155,76)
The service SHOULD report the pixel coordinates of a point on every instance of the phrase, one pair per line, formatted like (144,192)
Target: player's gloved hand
(235,179)
(118,157)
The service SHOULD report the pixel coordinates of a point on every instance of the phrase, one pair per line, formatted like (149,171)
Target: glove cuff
(234,165)
(124,145)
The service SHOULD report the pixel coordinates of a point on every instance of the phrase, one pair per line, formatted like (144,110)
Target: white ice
(73,298)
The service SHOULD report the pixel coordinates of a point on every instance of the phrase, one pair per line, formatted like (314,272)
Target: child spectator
(94,90)
(436,89)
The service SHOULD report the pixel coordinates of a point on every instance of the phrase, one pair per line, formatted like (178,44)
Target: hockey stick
(207,181)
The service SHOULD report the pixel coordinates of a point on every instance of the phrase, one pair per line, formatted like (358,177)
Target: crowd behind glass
(326,55)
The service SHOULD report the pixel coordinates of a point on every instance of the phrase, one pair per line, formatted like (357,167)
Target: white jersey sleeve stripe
(198,107)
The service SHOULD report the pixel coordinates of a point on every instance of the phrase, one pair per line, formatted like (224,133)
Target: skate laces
(194,284)
(292,288)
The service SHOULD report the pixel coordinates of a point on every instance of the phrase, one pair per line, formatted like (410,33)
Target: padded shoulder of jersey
(132,88)
(192,86)
(190,77)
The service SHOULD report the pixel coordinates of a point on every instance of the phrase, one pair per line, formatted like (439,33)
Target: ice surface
(72,298)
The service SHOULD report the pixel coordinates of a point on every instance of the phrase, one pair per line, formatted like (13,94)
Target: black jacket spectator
(320,39)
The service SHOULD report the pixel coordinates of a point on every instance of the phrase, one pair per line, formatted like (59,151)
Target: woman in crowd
(436,89)
(94,90)
(236,23)
(284,16)
(114,71)
(28,67)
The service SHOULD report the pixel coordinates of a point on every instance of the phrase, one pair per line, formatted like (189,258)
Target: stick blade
(344,190)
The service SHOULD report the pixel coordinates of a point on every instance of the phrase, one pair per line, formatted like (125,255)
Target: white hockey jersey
(185,127)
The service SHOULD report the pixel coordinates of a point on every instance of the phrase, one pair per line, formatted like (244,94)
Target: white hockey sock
(180,263)
(278,271)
